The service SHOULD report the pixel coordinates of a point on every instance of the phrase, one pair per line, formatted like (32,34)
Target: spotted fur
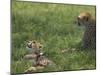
(89,38)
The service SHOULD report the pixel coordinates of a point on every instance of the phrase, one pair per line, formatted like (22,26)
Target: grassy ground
(52,25)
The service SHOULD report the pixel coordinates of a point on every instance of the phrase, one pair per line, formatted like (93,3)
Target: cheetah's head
(83,18)
(34,45)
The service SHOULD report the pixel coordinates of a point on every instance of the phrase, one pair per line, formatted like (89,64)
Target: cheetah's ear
(41,46)
(34,41)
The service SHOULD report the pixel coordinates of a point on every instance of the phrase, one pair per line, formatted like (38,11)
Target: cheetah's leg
(86,40)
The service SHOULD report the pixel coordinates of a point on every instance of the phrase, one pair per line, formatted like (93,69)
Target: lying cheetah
(40,60)
(34,47)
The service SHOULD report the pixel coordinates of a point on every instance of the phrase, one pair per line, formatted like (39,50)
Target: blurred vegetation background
(52,25)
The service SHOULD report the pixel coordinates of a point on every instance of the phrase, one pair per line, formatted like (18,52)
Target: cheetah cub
(40,60)
(34,48)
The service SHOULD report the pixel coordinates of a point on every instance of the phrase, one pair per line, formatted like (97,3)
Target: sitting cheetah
(89,38)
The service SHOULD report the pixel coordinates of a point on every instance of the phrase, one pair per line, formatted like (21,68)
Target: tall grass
(53,25)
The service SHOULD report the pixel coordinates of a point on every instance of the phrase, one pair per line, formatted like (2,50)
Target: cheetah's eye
(34,41)
(40,46)
(85,18)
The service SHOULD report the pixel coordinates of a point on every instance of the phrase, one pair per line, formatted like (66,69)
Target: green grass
(53,25)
